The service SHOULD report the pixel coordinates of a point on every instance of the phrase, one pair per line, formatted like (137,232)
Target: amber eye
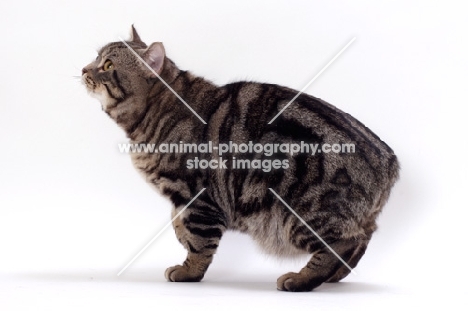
(108,65)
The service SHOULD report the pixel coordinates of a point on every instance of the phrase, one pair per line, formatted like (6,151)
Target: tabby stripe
(109,92)
(117,99)
(332,232)
(156,122)
(191,180)
(183,76)
(190,83)
(225,132)
(139,120)
(234,89)
(150,122)
(175,196)
(232,188)
(216,193)
(309,243)
(120,45)
(118,83)
(256,206)
(275,178)
(210,212)
(272,178)
(299,188)
(257,120)
(218,100)
(194,219)
(206,233)
(393,168)
(211,246)
(168,129)
(312,265)
(300,231)
(150,169)
(346,256)
(331,117)
(377,138)
(213,212)
(191,248)
(156,97)
(287,216)
(294,130)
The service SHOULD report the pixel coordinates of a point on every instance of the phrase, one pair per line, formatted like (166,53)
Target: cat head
(118,75)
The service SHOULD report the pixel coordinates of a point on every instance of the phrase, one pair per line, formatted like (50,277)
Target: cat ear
(154,56)
(134,37)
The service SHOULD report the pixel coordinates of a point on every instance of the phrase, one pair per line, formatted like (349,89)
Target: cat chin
(102,97)
(97,92)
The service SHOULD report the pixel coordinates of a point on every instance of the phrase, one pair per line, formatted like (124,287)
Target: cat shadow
(353,287)
(207,284)
(327,288)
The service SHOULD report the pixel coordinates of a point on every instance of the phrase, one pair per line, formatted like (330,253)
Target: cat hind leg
(343,271)
(324,266)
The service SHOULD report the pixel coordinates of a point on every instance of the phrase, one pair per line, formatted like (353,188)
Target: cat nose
(84,70)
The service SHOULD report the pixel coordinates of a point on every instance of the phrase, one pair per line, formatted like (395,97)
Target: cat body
(339,195)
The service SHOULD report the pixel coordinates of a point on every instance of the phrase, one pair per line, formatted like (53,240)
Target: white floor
(70,261)
(140,290)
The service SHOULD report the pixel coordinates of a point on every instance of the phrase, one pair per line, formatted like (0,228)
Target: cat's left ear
(134,36)
(154,56)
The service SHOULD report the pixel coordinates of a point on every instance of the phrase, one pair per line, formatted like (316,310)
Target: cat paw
(294,282)
(181,274)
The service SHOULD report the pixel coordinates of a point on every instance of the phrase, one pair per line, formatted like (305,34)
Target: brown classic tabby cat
(339,195)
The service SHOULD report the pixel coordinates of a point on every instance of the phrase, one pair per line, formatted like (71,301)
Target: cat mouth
(89,82)
(95,90)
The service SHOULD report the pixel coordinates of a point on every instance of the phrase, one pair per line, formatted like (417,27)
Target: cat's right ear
(154,56)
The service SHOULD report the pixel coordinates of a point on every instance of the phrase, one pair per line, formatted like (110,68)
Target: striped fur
(339,195)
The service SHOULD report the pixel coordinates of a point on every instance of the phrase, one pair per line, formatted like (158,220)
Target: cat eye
(108,65)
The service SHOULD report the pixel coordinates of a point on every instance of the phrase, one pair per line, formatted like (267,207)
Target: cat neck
(167,98)
(128,114)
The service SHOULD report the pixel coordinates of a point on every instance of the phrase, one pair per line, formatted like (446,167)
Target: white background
(73,211)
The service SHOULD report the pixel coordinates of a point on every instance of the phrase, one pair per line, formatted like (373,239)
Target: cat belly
(275,245)
(269,236)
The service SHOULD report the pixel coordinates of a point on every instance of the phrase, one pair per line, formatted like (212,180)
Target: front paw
(181,274)
(294,282)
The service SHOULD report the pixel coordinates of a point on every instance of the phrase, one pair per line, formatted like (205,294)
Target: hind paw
(294,282)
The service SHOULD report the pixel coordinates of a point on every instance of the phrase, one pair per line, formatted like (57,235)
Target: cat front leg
(199,229)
